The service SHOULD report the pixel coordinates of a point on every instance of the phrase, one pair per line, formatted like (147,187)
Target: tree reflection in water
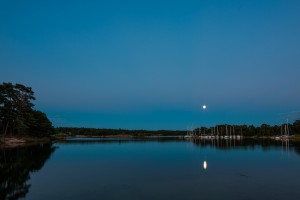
(16,164)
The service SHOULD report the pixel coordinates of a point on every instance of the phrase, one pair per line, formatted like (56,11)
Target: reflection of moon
(204,165)
(204,107)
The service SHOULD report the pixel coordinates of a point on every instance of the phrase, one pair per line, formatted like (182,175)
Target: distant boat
(190,133)
(284,137)
(285,133)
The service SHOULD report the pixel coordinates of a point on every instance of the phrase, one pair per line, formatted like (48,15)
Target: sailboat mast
(287,126)
(226,131)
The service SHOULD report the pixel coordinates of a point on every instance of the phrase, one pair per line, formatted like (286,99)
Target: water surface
(152,169)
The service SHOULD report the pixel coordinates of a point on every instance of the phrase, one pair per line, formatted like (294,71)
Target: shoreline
(65,137)
(20,141)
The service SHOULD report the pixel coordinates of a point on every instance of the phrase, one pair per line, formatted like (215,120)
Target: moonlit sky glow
(151,64)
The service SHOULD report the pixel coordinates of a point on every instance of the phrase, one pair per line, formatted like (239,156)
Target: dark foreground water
(152,169)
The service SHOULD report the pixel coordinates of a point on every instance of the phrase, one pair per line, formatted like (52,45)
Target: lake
(166,168)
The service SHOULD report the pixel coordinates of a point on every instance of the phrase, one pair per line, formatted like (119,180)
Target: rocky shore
(11,142)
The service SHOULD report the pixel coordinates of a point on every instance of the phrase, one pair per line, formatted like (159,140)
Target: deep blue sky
(153,64)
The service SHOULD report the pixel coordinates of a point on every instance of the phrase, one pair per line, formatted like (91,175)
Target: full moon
(204,107)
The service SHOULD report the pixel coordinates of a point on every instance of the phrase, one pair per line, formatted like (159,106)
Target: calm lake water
(152,169)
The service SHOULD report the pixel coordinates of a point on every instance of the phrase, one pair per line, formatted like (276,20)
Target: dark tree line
(106,132)
(17,113)
(251,130)
(245,130)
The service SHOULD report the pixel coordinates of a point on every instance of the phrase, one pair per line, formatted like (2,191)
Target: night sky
(153,64)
